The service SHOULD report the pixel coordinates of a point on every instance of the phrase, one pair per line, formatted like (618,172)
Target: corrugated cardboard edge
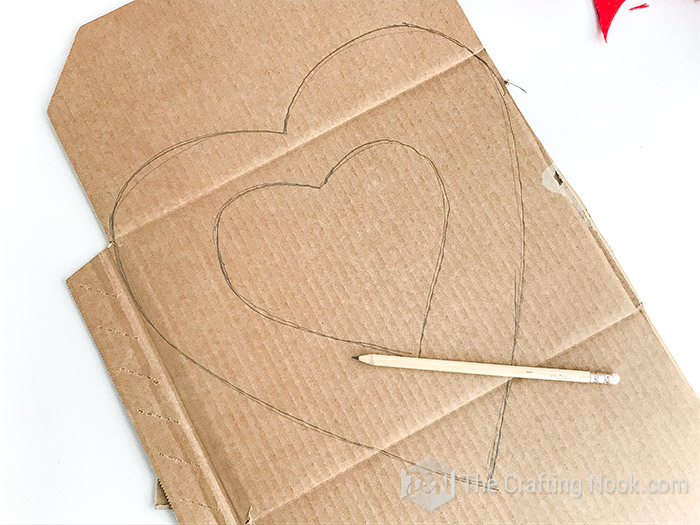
(161,498)
(149,396)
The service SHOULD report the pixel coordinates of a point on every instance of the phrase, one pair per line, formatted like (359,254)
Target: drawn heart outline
(349,156)
(167,154)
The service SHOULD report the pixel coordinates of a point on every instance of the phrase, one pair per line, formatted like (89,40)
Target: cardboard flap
(153,79)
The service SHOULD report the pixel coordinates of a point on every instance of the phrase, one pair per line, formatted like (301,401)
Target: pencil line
(518,288)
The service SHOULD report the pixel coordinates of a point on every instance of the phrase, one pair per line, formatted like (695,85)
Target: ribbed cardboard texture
(285,185)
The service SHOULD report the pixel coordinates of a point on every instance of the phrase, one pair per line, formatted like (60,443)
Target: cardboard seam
(190,433)
(302,144)
(115,384)
(117,387)
(501,382)
(171,397)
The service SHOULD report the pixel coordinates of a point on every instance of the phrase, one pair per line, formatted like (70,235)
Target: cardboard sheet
(285,185)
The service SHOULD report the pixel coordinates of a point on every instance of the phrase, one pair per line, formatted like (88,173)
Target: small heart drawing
(353,258)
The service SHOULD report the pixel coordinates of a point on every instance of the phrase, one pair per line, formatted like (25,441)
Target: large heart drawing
(380,272)
(357,258)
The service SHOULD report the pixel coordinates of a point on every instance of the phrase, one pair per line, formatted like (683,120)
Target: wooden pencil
(488,369)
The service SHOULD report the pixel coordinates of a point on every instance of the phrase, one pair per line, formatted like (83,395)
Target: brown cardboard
(286,185)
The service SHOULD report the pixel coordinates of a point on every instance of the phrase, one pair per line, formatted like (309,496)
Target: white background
(620,119)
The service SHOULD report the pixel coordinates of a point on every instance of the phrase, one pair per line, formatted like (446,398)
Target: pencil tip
(356,357)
